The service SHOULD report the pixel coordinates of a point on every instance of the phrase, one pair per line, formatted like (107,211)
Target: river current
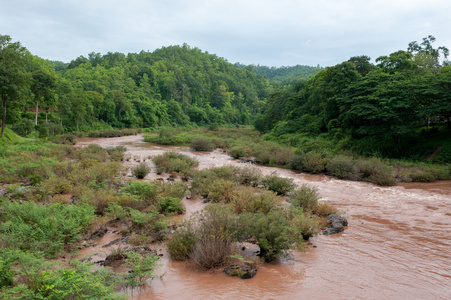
(397,244)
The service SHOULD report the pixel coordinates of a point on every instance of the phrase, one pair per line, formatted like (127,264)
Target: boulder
(244,271)
(337,224)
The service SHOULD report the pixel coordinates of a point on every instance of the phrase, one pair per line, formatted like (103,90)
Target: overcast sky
(265,32)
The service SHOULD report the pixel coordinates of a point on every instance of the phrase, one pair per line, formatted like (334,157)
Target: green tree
(43,83)
(13,74)
(427,57)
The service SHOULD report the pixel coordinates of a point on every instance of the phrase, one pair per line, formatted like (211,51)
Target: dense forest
(176,85)
(398,107)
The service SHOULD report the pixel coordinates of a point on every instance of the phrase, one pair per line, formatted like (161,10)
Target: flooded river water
(397,244)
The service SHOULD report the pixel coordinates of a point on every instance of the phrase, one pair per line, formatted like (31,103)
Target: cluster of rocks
(337,224)
(243,271)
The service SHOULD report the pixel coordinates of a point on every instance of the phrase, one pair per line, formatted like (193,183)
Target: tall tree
(427,57)
(43,82)
(13,74)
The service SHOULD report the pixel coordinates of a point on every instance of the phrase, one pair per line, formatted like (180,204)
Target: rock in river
(244,271)
(337,224)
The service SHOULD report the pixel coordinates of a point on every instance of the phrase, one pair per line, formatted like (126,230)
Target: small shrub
(24,127)
(280,185)
(341,167)
(94,152)
(269,230)
(248,175)
(213,127)
(181,244)
(144,190)
(302,226)
(239,151)
(305,197)
(170,205)
(201,144)
(220,190)
(175,162)
(424,176)
(214,231)
(141,170)
(324,209)
(375,171)
(142,268)
(313,162)
(176,189)
(251,200)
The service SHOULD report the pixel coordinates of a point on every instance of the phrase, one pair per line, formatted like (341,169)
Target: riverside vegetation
(53,195)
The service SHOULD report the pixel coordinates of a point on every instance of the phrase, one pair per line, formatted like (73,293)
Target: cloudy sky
(265,32)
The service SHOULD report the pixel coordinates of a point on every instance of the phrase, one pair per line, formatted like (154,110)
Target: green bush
(94,152)
(175,189)
(423,177)
(30,226)
(201,144)
(181,244)
(280,185)
(144,190)
(305,197)
(24,127)
(248,175)
(141,170)
(142,268)
(302,226)
(172,161)
(170,205)
(246,199)
(239,151)
(313,162)
(341,167)
(37,279)
(49,129)
(270,231)
(376,171)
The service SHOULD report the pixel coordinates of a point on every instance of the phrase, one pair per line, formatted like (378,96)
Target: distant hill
(283,74)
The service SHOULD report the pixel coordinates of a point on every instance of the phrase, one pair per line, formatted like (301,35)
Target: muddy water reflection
(397,246)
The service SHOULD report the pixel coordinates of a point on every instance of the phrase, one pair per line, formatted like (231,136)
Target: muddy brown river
(397,244)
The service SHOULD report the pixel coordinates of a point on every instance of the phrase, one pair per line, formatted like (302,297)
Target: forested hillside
(398,107)
(286,73)
(176,85)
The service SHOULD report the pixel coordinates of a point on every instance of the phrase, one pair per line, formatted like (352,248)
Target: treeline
(176,85)
(395,107)
(287,73)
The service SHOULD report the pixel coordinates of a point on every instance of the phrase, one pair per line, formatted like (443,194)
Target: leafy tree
(426,56)
(13,74)
(362,64)
(43,83)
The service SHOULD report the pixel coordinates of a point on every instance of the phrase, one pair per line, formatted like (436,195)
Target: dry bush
(220,190)
(201,144)
(240,151)
(324,209)
(249,176)
(246,199)
(376,171)
(214,232)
